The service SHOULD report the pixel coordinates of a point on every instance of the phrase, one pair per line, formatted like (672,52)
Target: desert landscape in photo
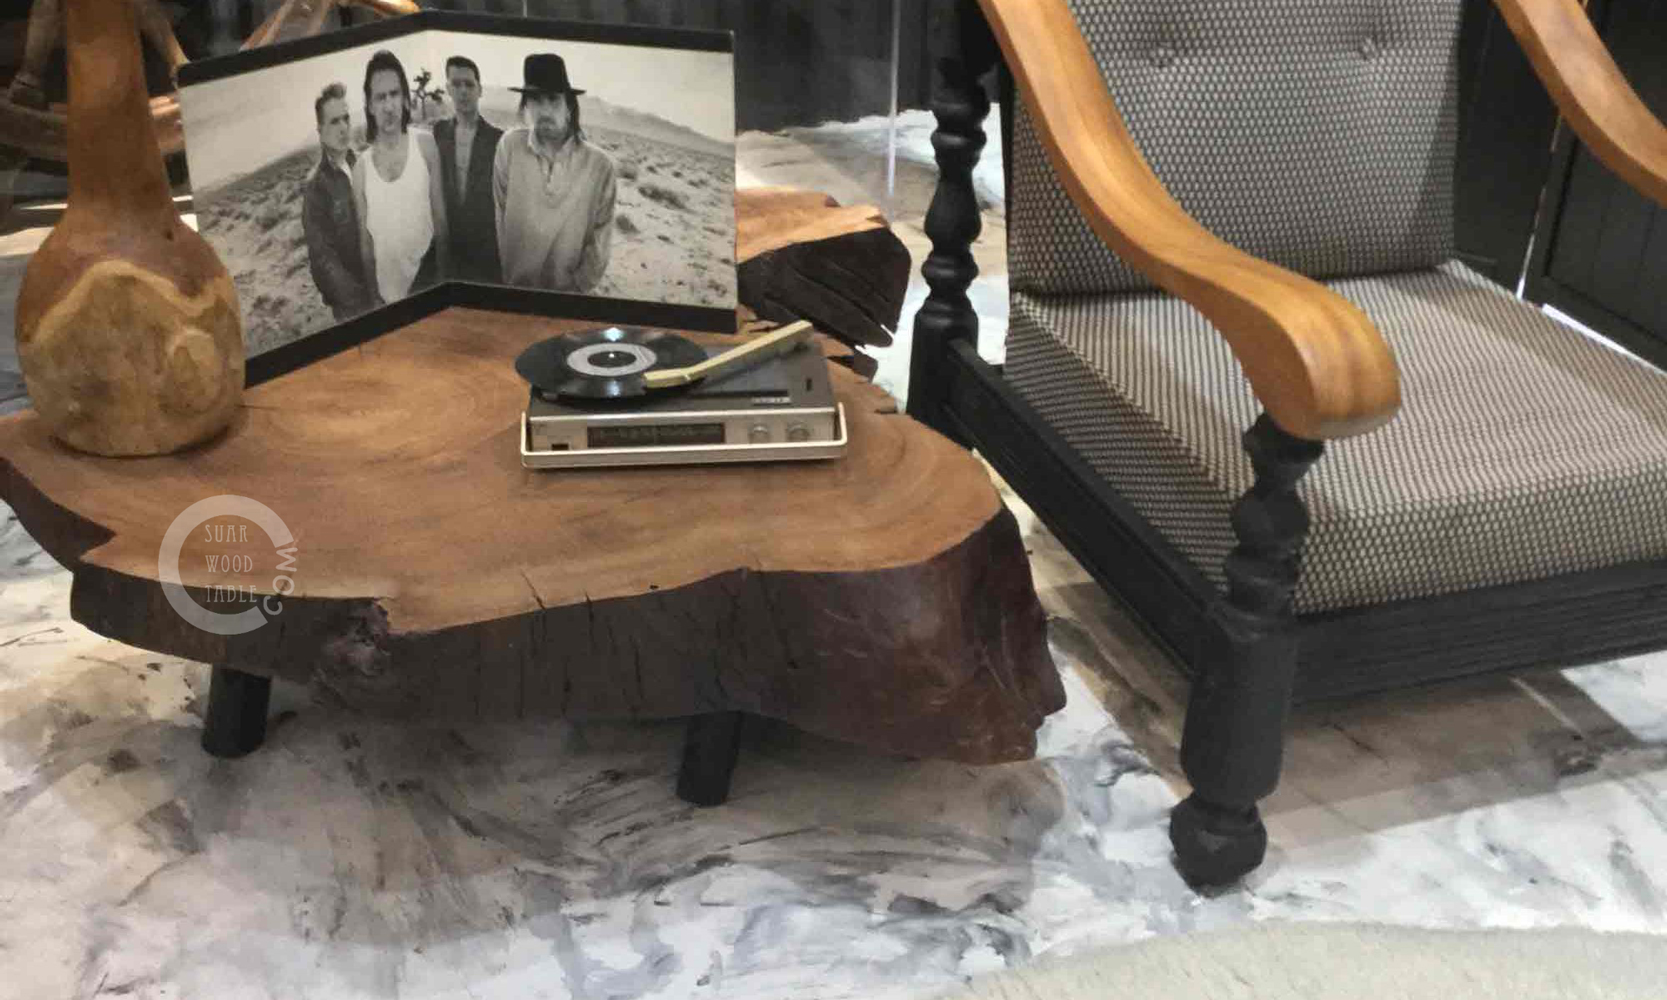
(674,221)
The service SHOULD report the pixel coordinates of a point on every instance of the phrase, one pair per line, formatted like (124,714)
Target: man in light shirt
(553,190)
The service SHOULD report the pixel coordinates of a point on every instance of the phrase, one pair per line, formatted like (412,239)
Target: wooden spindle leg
(952,221)
(1233,741)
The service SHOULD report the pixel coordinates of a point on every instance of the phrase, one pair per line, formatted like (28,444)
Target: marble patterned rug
(351,858)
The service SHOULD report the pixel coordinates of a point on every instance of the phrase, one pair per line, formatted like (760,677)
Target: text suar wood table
(883,598)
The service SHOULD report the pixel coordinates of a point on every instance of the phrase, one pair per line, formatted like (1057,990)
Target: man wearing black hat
(553,190)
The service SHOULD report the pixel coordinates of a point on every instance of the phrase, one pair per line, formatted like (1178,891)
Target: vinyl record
(604,363)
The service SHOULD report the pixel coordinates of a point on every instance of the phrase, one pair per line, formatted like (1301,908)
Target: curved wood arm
(1318,365)
(390,8)
(1575,66)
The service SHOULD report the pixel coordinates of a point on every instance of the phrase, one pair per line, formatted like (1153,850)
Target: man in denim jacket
(328,217)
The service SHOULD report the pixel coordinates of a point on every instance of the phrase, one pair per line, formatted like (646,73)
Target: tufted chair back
(1318,134)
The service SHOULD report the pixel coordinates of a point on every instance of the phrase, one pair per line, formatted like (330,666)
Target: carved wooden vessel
(128,330)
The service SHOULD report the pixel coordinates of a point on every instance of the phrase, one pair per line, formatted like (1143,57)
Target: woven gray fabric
(1318,134)
(1522,450)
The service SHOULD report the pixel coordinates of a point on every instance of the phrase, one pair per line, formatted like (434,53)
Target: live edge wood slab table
(882,598)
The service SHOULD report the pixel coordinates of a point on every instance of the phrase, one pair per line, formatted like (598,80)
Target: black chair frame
(1248,655)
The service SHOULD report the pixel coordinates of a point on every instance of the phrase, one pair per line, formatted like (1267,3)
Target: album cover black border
(331,340)
(334,339)
(644,36)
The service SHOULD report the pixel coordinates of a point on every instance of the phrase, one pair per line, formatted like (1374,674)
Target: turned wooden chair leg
(1233,740)
(952,220)
(709,753)
(235,723)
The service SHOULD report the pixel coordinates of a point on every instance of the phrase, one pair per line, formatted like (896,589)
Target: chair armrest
(1575,66)
(391,8)
(1319,367)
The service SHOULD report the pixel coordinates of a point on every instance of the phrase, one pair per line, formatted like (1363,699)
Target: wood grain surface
(883,598)
(801,255)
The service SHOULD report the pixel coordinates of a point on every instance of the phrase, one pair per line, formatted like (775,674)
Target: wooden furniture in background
(801,255)
(304,18)
(31,126)
(45,33)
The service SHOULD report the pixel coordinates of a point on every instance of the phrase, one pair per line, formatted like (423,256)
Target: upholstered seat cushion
(1523,449)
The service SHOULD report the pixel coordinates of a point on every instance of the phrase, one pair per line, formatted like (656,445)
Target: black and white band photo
(339,183)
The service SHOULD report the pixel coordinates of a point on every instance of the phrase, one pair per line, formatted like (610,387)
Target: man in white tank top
(402,204)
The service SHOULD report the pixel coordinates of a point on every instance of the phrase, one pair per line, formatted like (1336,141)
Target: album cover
(339,174)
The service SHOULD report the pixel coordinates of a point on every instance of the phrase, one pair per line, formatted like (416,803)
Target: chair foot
(235,723)
(1215,845)
(709,752)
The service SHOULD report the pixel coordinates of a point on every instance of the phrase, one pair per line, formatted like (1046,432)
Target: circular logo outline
(173,543)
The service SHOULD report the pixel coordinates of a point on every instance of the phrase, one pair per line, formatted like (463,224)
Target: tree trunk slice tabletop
(882,598)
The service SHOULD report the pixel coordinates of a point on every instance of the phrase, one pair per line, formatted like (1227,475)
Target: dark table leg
(236,720)
(709,758)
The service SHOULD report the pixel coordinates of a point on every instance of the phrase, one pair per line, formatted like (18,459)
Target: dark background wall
(1601,255)
(1506,123)
(798,62)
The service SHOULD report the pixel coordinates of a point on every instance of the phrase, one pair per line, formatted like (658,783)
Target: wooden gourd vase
(128,330)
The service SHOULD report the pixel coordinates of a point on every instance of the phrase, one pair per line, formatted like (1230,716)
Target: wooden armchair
(1437,480)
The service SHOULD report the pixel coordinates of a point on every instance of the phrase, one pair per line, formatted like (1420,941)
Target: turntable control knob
(798,432)
(758,433)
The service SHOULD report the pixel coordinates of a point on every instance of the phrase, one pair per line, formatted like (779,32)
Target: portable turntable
(623,396)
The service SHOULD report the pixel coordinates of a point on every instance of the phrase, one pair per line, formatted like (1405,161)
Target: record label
(604,363)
